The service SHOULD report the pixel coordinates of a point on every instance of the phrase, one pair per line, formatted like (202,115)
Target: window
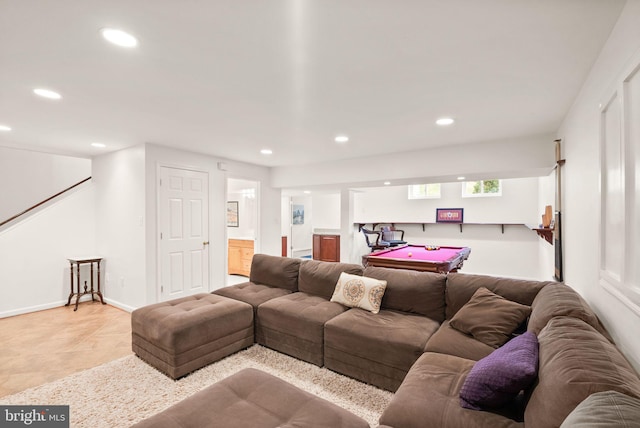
(481,188)
(424,191)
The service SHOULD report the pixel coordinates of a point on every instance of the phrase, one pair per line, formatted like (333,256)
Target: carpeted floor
(127,390)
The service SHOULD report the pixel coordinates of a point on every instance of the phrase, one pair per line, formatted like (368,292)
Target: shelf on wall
(545,233)
(424,224)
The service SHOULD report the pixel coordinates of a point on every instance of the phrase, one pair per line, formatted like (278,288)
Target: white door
(184,233)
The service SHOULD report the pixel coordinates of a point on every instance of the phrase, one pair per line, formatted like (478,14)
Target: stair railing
(43,202)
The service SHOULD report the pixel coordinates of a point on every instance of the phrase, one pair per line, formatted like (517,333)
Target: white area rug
(125,391)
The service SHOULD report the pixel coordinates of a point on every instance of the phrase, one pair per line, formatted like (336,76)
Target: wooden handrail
(44,202)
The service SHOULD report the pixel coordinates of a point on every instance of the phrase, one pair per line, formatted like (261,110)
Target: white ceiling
(230,77)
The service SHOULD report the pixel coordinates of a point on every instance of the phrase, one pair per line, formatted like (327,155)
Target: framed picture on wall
(297,214)
(449,215)
(232,214)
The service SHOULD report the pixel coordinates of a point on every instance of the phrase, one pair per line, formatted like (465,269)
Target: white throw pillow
(358,291)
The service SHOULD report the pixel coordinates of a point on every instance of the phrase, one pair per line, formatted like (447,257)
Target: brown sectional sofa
(294,324)
(576,360)
(381,348)
(411,348)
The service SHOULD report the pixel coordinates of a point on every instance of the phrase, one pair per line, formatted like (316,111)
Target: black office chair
(392,236)
(373,239)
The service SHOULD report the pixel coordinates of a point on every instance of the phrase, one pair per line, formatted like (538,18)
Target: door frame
(159,166)
(256,242)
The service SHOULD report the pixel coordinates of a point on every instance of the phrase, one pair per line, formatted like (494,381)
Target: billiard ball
(410,254)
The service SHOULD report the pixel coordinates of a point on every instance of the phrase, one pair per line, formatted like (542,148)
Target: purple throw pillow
(499,377)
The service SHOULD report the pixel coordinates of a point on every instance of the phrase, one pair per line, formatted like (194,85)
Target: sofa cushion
(252,398)
(357,291)
(461,286)
(429,397)
(575,361)
(254,294)
(281,272)
(608,409)
(448,340)
(319,278)
(561,300)
(489,318)
(498,378)
(294,324)
(393,338)
(412,291)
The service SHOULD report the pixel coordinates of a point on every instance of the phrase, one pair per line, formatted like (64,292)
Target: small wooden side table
(81,292)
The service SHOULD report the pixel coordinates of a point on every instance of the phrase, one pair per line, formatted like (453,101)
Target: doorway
(242,227)
(301,226)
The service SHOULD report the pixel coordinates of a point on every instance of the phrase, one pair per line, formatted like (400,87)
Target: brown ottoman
(253,399)
(183,335)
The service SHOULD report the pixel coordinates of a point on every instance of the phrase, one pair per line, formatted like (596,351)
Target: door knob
(205,243)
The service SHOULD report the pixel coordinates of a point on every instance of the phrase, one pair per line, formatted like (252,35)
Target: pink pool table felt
(444,259)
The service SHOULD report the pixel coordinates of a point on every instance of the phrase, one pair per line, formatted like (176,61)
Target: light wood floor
(43,346)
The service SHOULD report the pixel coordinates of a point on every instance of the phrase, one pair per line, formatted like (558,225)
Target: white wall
(513,253)
(531,156)
(518,204)
(27,178)
(115,217)
(34,271)
(580,135)
(267,229)
(119,178)
(326,211)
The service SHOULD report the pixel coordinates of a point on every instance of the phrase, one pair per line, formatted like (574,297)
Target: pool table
(417,257)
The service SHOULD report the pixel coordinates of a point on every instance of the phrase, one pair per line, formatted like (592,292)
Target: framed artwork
(232,214)
(449,215)
(297,214)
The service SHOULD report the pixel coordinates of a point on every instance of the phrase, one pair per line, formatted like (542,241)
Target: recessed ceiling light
(99,145)
(119,37)
(266,151)
(5,128)
(341,139)
(461,178)
(46,93)
(306,192)
(386,183)
(444,121)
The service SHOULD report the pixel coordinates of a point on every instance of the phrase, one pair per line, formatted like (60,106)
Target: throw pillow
(499,377)
(490,318)
(357,291)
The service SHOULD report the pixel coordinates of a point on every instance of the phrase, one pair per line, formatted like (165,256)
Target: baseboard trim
(51,305)
(29,309)
(120,305)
